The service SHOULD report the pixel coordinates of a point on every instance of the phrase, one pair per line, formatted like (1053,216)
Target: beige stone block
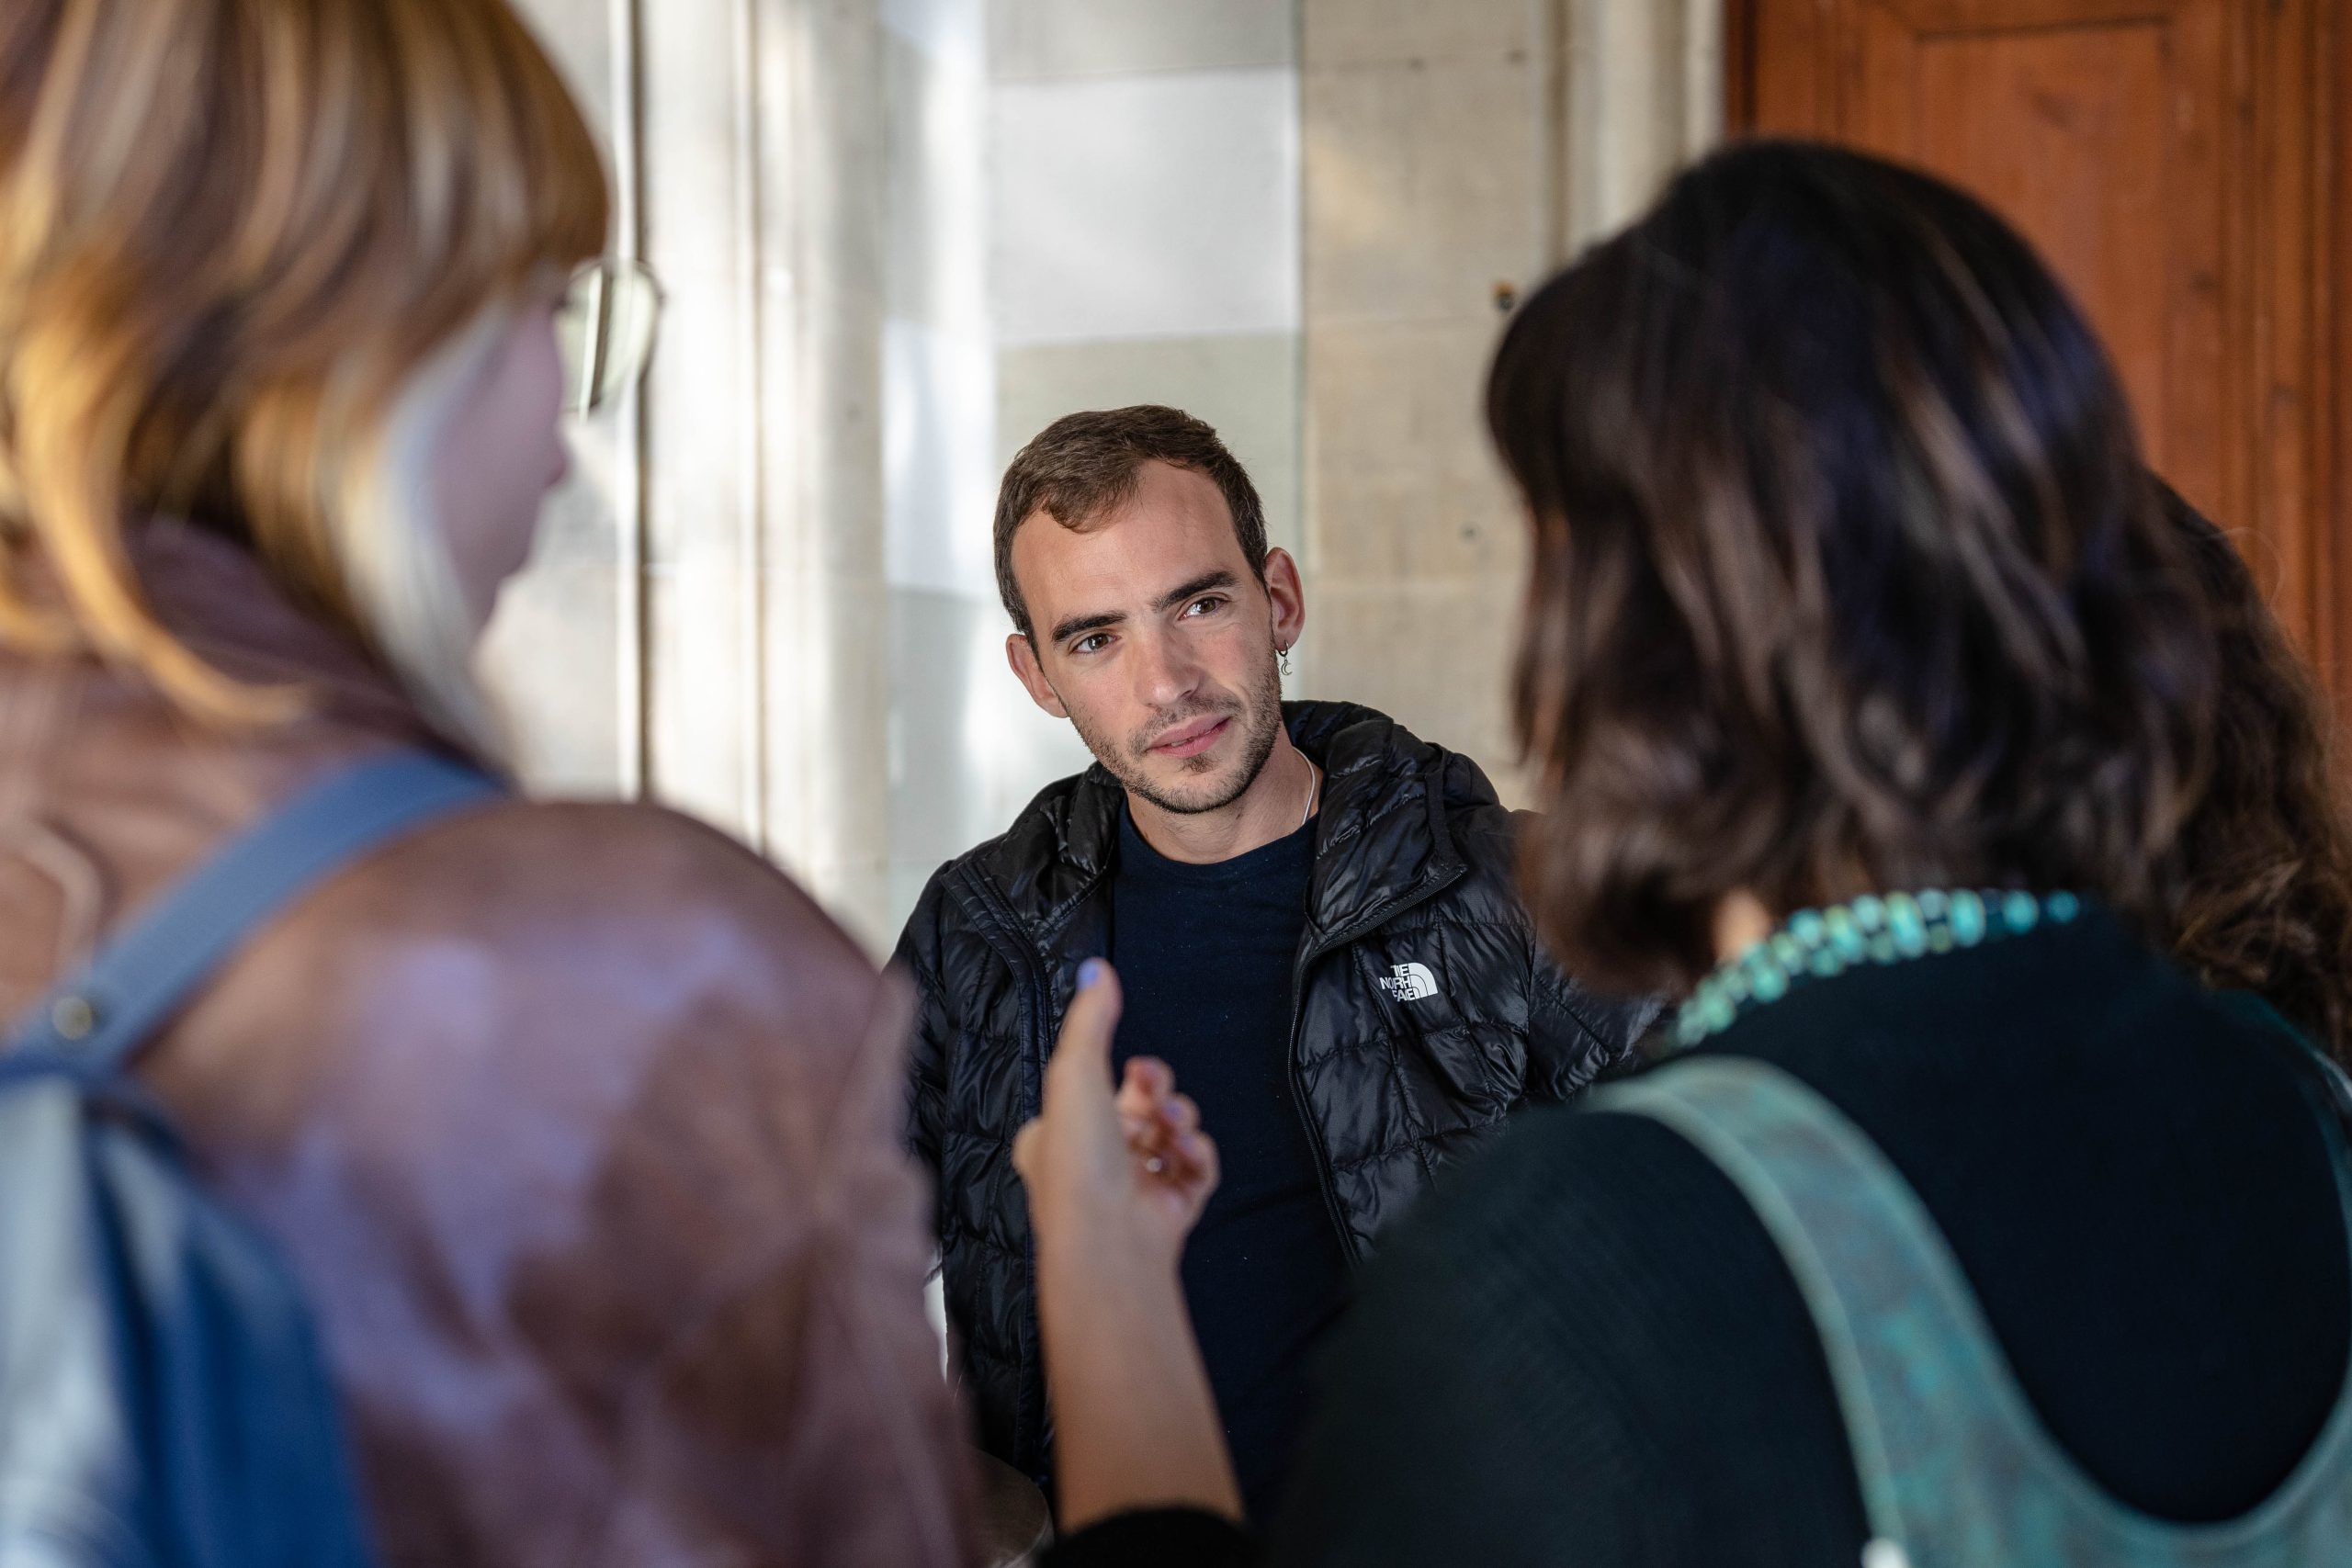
(948,697)
(689,134)
(825,718)
(780,740)
(553,661)
(821,470)
(1399,395)
(935,174)
(1396,32)
(701,412)
(701,719)
(1435,657)
(1157,206)
(967,748)
(1052,39)
(1403,482)
(1425,187)
(1248,387)
(1407,526)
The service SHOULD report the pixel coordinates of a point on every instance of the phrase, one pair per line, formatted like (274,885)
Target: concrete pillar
(702,621)
(1642,93)
(563,652)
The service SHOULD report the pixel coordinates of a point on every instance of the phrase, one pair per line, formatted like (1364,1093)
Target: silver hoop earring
(1285,657)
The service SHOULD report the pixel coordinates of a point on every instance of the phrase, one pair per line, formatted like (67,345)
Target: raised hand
(1163,1132)
(1129,1170)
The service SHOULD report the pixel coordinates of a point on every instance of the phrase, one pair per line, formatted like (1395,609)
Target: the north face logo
(1411,983)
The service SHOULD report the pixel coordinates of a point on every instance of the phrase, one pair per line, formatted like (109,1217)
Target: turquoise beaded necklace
(1819,943)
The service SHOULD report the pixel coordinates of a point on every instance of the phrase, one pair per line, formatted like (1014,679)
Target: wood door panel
(1951,16)
(2332,305)
(2094,131)
(2181,164)
(2051,128)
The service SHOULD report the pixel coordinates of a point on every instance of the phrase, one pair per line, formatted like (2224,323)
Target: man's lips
(1190,739)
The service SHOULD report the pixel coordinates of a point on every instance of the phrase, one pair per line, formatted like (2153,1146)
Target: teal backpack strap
(1761,1127)
(1955,1468)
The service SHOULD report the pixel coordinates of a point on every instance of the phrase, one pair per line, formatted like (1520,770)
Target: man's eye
(1203,605)
(1089,644)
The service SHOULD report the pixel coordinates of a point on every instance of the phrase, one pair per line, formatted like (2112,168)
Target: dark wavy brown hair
(1848,576)
(2265,902)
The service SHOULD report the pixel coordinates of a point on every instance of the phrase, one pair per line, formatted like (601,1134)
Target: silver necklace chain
(1314,788)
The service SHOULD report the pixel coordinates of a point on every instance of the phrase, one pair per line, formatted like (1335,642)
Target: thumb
(1093,1020)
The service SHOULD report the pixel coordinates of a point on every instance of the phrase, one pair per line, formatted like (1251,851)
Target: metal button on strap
(73,1016)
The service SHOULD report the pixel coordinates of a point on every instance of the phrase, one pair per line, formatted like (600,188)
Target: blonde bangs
(232,231)
(570,195)
(503,168)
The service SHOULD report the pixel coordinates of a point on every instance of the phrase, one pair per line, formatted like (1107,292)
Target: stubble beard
(1261,714)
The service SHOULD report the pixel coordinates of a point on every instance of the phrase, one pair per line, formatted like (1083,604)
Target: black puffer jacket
(1425,1015)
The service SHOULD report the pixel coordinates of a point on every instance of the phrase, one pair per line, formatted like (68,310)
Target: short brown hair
(1848,577)
(1084,464)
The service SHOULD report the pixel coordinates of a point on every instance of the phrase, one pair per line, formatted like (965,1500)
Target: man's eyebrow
(1077,626)
(1195,589)
(1066,630)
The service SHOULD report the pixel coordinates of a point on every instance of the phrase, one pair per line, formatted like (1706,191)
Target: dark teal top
(1588,1349)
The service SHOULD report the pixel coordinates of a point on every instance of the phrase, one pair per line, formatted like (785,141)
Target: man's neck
(1270,808)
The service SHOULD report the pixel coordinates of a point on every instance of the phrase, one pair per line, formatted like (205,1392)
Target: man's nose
(1167,673)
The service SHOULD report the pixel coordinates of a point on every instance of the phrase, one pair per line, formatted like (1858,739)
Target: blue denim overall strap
(1956,1469)
(93,1022)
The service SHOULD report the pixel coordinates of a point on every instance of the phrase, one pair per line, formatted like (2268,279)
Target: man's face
(1155,640)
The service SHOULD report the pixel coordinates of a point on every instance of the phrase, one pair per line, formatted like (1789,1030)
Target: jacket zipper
(1332,1211)
(1307,957)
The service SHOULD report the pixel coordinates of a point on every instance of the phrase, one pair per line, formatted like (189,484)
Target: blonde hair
(248,249)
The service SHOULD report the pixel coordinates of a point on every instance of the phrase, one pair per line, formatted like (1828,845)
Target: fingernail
(1089,972)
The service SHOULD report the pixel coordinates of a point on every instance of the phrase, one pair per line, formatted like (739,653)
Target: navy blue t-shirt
(1204,955)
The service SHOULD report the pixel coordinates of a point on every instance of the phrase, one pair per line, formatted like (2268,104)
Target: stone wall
(898,236)
(1109,200)
(1456,155)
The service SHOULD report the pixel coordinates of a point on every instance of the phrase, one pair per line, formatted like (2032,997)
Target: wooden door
(2182,165)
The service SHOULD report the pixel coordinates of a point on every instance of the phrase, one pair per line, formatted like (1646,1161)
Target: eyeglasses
(605,328)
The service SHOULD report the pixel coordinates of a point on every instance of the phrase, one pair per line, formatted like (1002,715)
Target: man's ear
(1287,596)
(1022,656)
